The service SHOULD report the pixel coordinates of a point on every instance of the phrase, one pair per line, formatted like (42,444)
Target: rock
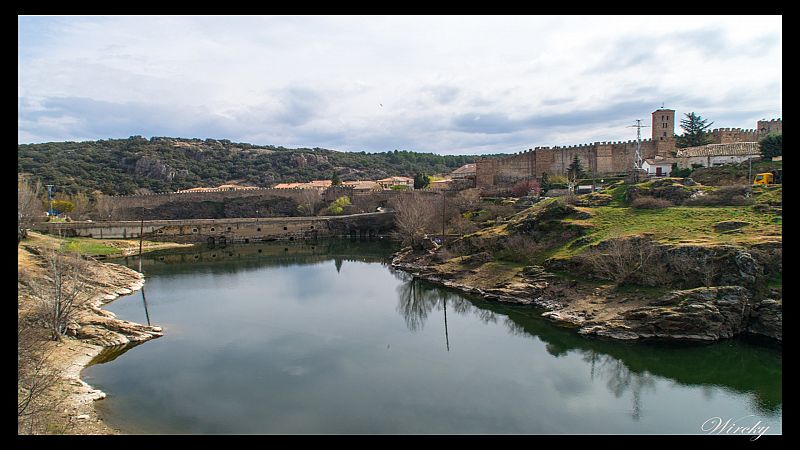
(82,417)
(766,319)
(729,225)
(688,182)
(702,314)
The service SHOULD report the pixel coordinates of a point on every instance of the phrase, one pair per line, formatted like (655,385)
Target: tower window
(665,134)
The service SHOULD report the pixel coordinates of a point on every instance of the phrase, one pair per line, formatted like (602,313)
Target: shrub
(724,196)
(650,203)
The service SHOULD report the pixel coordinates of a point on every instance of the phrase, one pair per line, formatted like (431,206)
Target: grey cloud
(443,94)
(498,123)
(97,119)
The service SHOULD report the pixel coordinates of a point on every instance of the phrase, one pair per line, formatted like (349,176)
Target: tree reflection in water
(626,368)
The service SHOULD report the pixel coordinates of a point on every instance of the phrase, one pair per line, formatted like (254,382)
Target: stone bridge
(229,230)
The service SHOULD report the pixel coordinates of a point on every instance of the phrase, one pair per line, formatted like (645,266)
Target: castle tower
(766,127)
(663,124)
(663,127)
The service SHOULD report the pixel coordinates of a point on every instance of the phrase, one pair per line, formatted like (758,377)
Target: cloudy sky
(443,84)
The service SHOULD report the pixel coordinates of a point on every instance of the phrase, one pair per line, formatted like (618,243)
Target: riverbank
(91,331)
(704,265)
(602,309)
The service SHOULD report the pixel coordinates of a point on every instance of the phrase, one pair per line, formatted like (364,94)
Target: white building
(657,167)
(717,154)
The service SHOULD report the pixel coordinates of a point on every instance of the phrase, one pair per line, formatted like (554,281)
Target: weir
(228,230)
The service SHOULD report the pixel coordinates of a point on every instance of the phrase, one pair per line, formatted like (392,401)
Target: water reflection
(631,368)
(310,320)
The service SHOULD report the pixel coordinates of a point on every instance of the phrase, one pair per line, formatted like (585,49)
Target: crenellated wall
(600,157)
(732,135)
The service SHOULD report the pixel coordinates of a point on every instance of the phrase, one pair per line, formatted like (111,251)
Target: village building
(465,171)
(388,183)
(363,186)
(223,187)
(717,154)
(438,185)
(658,167)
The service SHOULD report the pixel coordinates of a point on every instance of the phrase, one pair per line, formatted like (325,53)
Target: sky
(441,84)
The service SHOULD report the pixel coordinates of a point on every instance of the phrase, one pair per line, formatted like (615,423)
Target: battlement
(259,190)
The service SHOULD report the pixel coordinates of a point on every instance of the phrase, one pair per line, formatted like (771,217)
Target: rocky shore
(92,331)
(596,309)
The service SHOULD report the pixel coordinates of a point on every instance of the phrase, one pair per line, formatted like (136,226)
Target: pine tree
(575,170)
(694,131)
(421,180)
(335,180)
(771,145)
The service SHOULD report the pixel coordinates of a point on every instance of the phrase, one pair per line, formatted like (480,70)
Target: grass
(88,246)
(677,225)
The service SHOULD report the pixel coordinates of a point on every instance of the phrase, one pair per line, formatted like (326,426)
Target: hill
(164,164)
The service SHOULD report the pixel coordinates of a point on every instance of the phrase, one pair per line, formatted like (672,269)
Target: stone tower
(663,125)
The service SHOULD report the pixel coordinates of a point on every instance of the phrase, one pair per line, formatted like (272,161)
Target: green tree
(63,206)
(771,145)
(335,180)
(694,131)
(575,169)
(337,206)
(421,180)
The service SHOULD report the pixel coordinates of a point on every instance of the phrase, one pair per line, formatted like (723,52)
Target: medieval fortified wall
(604,158)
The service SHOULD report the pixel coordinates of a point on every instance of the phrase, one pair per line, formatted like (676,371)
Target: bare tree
(29,206)
(59,291)
(104,207)
(461,225)
(468,199)
(36,380)
(81,202)
(415,217)
(310,199)
(622,258)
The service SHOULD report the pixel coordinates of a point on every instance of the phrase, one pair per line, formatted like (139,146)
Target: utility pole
(637,163)
(50,197)
(443,208)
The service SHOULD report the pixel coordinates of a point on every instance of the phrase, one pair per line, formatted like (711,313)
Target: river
(328,338)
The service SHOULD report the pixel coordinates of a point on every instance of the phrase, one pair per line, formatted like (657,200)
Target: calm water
(329,339)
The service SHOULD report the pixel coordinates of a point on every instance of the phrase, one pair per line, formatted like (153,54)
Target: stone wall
(228,230)
(765,127)
(601,157)
(731,135)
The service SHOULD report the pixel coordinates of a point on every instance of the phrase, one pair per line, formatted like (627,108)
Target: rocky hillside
(161,164)
(608,269)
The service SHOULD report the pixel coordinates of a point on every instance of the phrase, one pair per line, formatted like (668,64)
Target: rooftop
(734,149)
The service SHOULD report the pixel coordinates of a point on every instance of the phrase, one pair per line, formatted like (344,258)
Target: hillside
(707,267)
(163,164)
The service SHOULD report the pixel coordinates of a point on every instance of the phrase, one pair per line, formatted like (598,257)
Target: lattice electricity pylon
(637,163)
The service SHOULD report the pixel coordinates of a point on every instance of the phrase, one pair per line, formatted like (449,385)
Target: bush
(724,196)
(650,203)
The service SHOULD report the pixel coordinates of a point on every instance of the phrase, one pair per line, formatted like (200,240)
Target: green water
(327,338)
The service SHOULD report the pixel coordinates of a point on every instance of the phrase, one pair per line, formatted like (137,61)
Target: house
(717,154)
(438,185)
(224,187)
(315,184)
(363,186)
(657,167)
(465,171)
(388,183)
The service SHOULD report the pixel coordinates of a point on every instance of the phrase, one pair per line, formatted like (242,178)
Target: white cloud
(321,81)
